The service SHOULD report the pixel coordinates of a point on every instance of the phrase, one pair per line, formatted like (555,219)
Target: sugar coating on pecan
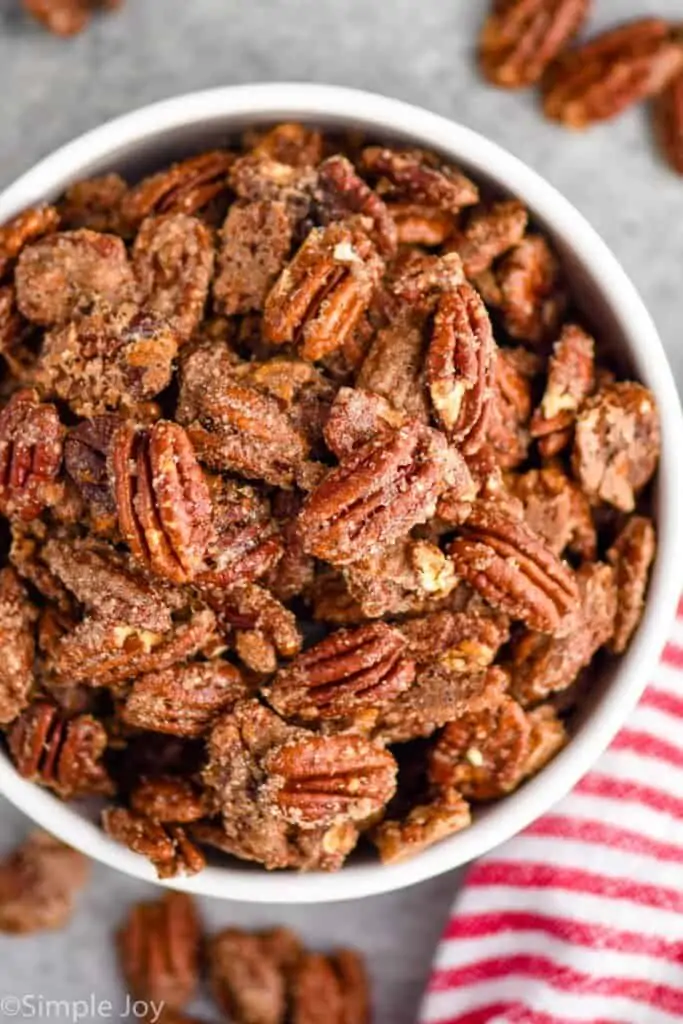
(26,227)
(39,883)
(631,556)
(94,203)
(342,192)
(247,980)
(31,444)
(187,187)
(425,824)
(571,378)
(168,798)
(507,430)
(255,241)
(419,176)
(488,233)
(556,509)
(166,846)
(17,621)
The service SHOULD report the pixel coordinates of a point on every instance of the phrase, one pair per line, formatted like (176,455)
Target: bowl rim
(333,104)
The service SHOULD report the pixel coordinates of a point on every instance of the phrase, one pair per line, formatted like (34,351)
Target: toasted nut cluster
(315,485)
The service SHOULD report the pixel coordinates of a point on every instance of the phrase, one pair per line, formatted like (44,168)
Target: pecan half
(489,232)
(26,227)
(668,118)
(507,432)
(425,824)
(616,444)
(186,187)
(459,641)
(521,38)
(459,366)
(571,378)
(342,192)
(290,143)
(631,555)
(264,628)
(17,621)
(417,224)
(321,295)
(255,241)
(621,67)
(158,947)
(166,846)
(31,440)
(351,671)
(406,577)
(94,203)
(511,567)
(183,700)
(162,498)
(377,494)
(63,754)
(248,978)
(39,883)
(394,364)
(420,177)
(70,270)
(167,798)
(556,509)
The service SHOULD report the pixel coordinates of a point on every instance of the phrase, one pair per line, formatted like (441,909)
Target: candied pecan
(556,509)
(25,555)
(183,700)
(23,229)
(39,882)
(168,799)
(103,654)
(321,295)
(512,568)
(420,177)
(110,358)
(289,143)
(527,291)
(488,232)
(571,378)
(329,989)
(459,366)
(31,440)
(255,241)
(393,366)
(483,755)
(186,187)
(332,601)
(631,555)
(616,443)
(548,736)
(349,672)
(257,176)
(425,824)
(342,192)
(63,754)
(264,628)
(459,641)
(173,260)
(437,696)
(17,620)
(542,665)
(521,38)
(85,459)
(159,946)
(621,67)
(668,117)
(247,980)
(166,846)
(507,434)
(162,498)
(11,323)
(417,224)
(65,272)
(98,577)
(377,494)
(94,203)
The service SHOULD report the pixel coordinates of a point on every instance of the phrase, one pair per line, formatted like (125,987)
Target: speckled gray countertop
(417,50)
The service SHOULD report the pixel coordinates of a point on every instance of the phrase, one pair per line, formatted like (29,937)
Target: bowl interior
(142,142)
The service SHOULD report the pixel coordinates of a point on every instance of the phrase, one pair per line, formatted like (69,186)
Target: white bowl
(142,140)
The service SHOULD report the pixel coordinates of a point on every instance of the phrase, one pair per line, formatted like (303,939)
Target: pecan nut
(556,509)
(621,67)
(425,824)
(23,229)
(342,192)
(167,798)
(31,442)
(349,672)
(521,38)
(39,883)
(668,118)
(420,177)
(186,187)
(247,976)
(459,366)
(507,434)
(322,294)
(571,378)
(162,499)
(255,241)
(489,232)
(512,568)
(17,620)
(166,846)
(631,555)
(291,143)
(94,203)
(85,459)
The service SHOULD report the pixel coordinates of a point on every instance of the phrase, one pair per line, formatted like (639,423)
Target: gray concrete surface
(418,50)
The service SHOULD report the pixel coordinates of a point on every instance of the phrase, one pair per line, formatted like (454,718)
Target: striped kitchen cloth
(579,919)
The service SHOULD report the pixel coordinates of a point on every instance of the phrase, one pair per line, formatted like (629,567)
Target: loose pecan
(183,700)
(63,754)
(511,567)
(255,241)
(186,187)
(616,443)
(159,946)
(31,440)
(162,498)
(489,232)
(247,979)
(166,846)
(349,672)
(62,273)
(39,883)
(420,177)
(26,227)
(571,378)
(668,118)
(342,192)
(167,798)
(173,260)
(425,824)
(17,620)
(521,38)
(631,556)
(94,203)
(377,494)
(556,509)
(329,989)
(321,295)
(66,17)
(459,367)
(621,67)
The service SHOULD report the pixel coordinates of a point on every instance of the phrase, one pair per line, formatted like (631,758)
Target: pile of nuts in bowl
(321,500)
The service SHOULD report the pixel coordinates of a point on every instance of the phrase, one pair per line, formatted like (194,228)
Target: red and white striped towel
(579,920)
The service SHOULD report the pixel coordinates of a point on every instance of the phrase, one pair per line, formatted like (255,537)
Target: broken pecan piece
(321,295)
(162,498)
(183,700)
(621,67)
(31,440)
(489,232)
(186,187)
(159,947)
(420,177)
(17,621)
(85,459)
(255,241)
(521,38)
(507,433)
(571,378)
(425,824)
(342,192)
(631,555)
(512,568)
(39,882)
(351,671)
(166,846)
(556,509)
